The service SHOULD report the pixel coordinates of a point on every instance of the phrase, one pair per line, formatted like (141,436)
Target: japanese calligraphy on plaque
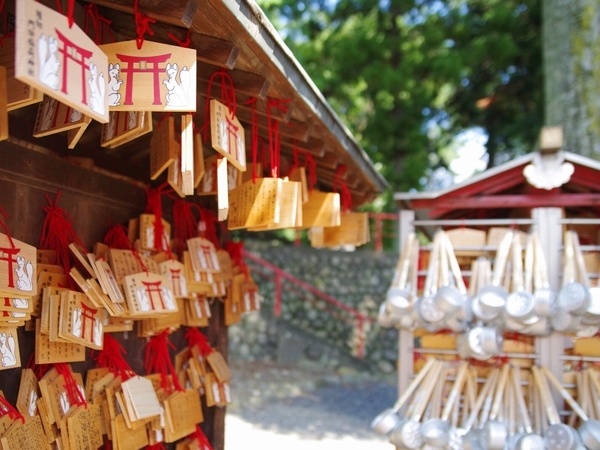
(61,61)
(227,135)
(19,94)
(255,204)
(157,77)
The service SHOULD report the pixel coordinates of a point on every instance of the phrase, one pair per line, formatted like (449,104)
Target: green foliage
(408,76)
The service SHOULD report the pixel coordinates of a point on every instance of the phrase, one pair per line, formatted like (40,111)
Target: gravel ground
(305,407)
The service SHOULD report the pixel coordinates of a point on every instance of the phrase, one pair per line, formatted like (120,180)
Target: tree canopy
(409,76)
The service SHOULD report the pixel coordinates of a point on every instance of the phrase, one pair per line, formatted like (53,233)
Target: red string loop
(236,251)
(254,134)
(201,438)
(111,356)
(58,233)
(195,338)
(5,228)
(74,393)
(7,408)
(273,131)
(158,360)
(311,167)
(185,224)
(142,25)
(345,195)
(227,97)
(186,43)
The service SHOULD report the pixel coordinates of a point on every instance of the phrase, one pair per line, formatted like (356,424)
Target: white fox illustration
(7,350)
(114,84)
(97,86)
(48,61)
(24,273)
(178,92)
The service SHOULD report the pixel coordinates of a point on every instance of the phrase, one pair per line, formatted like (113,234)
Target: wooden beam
(180,13)
(510,201)
(247,82)
(210,50)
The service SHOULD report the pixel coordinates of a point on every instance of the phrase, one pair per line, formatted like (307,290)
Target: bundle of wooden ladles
(444,407)
(513,295)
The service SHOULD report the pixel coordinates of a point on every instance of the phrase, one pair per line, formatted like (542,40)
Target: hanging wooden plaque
(147,237)
(175,272)
(80,322)
(290,199)
(182,412)
(157,77)
(197,311)
(222,189)
(125,126)
(28,393)
(174,176)
(84,426)
(227,135)
(28,435)
(163,147)
(55,117)
(187,154)
(21,305)
(17,268)
(299,174)
(9,349)
(61,61)
(209,183)
(198,159)
(353,230)
(148,294)
(142,398)
(3,104)
(255,203)
(322,209)
(203,255)
(19,94)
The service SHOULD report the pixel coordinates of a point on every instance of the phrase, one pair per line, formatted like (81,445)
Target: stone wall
(309,329)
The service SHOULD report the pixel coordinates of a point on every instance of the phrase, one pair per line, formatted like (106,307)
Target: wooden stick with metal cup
(558,436)
(495,432)
(427,307)
(591,316)
(406,434)
(545,297)
(520,304)
(528,440)
(595,391)
(398,299)
(492,298)
(470,439)
(589,430)
(388,419)
(436,432)
(574,296)
(450,297)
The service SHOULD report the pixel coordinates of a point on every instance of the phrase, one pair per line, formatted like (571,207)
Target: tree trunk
(571,47)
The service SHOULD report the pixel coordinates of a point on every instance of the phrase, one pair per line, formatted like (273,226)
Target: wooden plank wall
(91,198)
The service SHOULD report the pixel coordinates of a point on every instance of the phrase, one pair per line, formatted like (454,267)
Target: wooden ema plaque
(24,436)
(187,155)
(3,104)
(9,348)
(217,394)
(123,263)
(84,427)
(322,209)
(203,255)
(233,310)
(108,282)
(251,298)
(19,305)
(227,135)
(163,147)
(141,399)
(148,294)
(183,411)
(353,230)
(80,322)
(28,393)
(255,204)
(299,174)
(18,94)
(61,61)
(17,268)
(209,183)
(125,126)
(197,282)
(290,203)
(147,232)
(55,117)
(176,274)
(174,176)
(197,311)
(157,77)
(198,159)
(219,366)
